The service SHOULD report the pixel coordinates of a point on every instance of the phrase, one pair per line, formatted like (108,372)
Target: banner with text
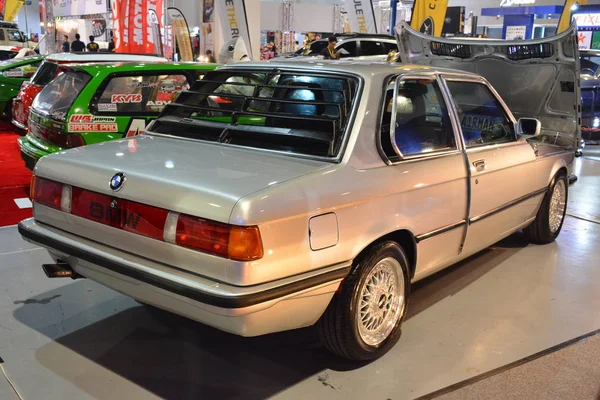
(233,20)
(12,8)
(565,18)
(361,15)
(182,34)
(428,16)
(134,23)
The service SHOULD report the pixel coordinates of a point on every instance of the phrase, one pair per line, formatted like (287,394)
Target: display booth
(588,26)
(519,22)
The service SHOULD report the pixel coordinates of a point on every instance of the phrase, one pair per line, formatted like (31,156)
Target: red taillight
(240,243)
(46,192)
(234,242)
(63,140)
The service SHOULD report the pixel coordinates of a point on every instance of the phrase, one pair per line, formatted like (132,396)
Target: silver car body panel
(445,207)
(544,87)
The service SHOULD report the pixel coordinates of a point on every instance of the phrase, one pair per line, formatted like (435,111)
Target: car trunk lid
(190,177)
(536,78)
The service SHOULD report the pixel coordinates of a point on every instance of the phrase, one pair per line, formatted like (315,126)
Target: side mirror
(529,127)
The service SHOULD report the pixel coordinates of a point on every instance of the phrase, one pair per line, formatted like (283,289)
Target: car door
(536,78)
(420,141)
(504,192)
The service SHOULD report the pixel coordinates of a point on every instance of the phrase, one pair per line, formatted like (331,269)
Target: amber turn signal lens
(245,243)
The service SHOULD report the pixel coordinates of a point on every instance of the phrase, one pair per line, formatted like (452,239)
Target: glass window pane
(481,115)
(147,94)
(347,49)
(372,48)
(422,122)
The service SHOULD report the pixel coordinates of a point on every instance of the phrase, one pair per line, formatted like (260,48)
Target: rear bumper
(30,153)
(19,125)
(248,311)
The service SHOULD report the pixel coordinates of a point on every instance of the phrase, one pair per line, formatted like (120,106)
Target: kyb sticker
(126,98)
(107,107)
(91,123)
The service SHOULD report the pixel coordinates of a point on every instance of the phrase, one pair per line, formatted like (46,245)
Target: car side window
(347,49)
(2,37)
(482,118)
(415,120)
(372,48)
(146,94)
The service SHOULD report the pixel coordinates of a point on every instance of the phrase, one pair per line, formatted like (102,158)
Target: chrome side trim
(507,205)
(429,235)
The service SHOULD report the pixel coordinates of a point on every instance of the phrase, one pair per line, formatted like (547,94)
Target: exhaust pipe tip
(60,270)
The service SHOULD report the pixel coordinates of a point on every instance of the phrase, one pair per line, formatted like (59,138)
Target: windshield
(590,64)
(15,36)
(297,113)
(58,96)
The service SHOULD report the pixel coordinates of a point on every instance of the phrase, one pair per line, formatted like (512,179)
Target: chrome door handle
(479,165)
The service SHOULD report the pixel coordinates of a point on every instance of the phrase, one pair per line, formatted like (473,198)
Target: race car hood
(187,176)
(536,78)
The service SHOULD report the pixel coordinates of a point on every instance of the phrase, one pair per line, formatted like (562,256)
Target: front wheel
(551,215)
(363,320)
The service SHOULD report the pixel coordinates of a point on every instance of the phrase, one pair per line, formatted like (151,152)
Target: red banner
(133,25)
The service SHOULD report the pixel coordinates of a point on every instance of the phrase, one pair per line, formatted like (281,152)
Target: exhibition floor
(63,339)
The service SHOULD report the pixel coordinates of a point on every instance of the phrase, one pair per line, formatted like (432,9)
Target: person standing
(77,45)
(111,44)
(329,51)
(92,46)
(66,47)
(209,56)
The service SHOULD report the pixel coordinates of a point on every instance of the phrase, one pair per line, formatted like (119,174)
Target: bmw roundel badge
(117,181)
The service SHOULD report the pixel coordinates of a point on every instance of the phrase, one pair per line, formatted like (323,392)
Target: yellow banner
(12,9)
(565,17)
(428,16)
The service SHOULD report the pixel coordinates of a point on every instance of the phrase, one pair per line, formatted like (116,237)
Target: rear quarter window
(57,97)
(140,94)
(45,73)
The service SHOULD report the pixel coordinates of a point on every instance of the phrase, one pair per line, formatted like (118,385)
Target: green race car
(13,73)
(94,103)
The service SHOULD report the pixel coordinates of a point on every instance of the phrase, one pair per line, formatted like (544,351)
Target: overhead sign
(233,20)
(12,8)
(428,16)
(508,3)
(361,15)
(587,20)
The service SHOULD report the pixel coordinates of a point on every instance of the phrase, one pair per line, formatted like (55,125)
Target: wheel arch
(406,240)
(559,167)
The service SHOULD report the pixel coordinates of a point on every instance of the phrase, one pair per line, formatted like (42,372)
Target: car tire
(551,215)
(364,318)
(578,153)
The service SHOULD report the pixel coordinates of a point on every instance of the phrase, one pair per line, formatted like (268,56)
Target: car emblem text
(117,181)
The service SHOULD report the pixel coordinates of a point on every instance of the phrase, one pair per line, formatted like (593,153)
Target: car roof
(365,69)
(93,68)
(103,57)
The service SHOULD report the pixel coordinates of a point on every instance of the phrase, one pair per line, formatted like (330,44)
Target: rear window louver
(451,50)
(526,51)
